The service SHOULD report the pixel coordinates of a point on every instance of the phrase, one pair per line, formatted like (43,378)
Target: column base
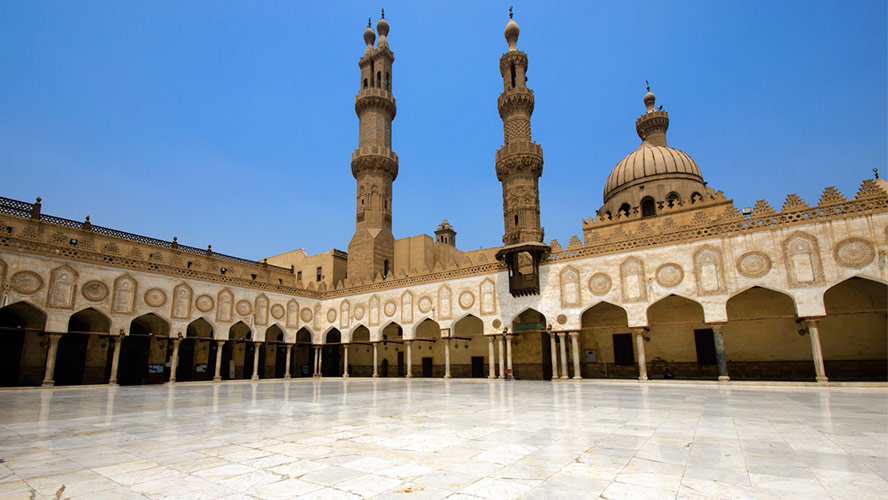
(724,379)
(345,375)
(48,384)
(112,384)
(821,379)
(491,376)
(577,377)
(287,377)
(501,377)
(254,378)
(217,378)
(643,378)
(447,376)
(375,375)
(565,377)
(408,376)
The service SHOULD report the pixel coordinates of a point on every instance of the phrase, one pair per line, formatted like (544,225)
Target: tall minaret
(374,164)
(519,163)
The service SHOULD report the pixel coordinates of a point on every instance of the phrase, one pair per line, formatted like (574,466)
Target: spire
(369,35)
(512,31)
(652,125)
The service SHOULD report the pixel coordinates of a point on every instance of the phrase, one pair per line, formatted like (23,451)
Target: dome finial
(368,22)
(510,12)
(648,85)
(649,98)
(383,13)
(369,35)
(382,27)
(512,32)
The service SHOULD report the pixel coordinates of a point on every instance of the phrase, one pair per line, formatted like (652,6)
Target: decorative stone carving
(155,297)
(709,270)
(225,304)
(204,303)
(425,305)
(94,291)
(331,315)
(570,287)
(124,295)
(318,317)
(26,282)
(407,307)
(855,253)
(305,314)
(277,311)
(600,284)
(181,308)
(466,299)
(2,273)
(488,296)
(801,253)
(669,275)
(374,311)
(390,308)
(444,302)
(243,307)
(632,280)
(753,264)
(292,314)
(62,285)
(561,319)
(261,316)
(359,312)
(344,316)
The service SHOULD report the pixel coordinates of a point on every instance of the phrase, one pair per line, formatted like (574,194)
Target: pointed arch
(200,328)
(240,331)
(89,320)
(468,325)
(854,333)
(150,324)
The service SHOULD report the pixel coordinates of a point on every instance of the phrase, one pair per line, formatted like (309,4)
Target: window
(299,276)
(513,76)
(378,79)
(319,273)
(672,199)
(516,221)
(386,80)
(696,197)
(624,210)
(365,83)
(385,268)
(371,73)
(648,207)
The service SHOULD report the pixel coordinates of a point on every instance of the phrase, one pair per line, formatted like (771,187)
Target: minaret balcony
(374,158)
(523,148)
(375,98)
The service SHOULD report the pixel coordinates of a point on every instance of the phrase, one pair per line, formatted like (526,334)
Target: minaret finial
(368,22)
(383,14)
(648,85)
(510,12)
(876,171)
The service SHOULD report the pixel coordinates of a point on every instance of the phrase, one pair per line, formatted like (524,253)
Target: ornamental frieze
(854,253)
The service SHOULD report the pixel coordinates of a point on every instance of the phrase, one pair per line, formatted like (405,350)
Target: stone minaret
(519,163)
(374,164)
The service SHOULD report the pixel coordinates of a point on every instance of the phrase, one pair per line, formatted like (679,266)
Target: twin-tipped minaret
(374,164)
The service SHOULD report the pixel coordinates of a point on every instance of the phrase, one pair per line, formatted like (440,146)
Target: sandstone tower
(519,164)
(373,163)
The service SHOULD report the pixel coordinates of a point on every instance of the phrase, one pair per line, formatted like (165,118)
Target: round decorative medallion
(243,307)
(390,308)
(277,311)
(359,312)
(155,297)
(466,299)
(425,305)
(854,253)
(26,282)
(204,303)
(331,315)
(561,319)
(669,275)
(497,324)
(753,264)
(305,314)
(600,283)
(94,291)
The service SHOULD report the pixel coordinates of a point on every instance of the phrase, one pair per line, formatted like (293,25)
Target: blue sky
(231,123)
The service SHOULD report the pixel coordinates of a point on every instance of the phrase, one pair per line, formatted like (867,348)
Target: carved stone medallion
(94,291)
(359,312)
(561,319)
(155,297)
(753,264)
(331,315)
(277,311)
(26,282)
(497,324)
(204,303)
(600,284)
(306,314)
(466,299)
(425,305)
(243,307)
(670,275)
(390,308)
(854,253)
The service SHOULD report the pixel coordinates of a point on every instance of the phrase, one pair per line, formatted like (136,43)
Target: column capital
(811,321)
(716,327)
(573,334)
(560,334)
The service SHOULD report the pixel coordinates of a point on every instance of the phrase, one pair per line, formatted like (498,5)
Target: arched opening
(624,210)
(761,338)
(648,207)
(378,79)
(512,73)
(194,351)
(22,345)
(143,352)
(387,81)
(83,355)
(360,353)
(331,359)
(275,354)
(392,352)
(531,357)
(469,356)
(240,335)
(372,70)
(385,268)
(679,340)
(303,353)
(853,333)
(673,199)
(695,197)
(427,350)
(365,83)
(606,345)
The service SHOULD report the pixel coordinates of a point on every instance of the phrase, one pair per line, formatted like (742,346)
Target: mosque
(670,280)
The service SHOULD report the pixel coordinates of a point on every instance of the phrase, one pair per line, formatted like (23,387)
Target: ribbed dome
(650,163)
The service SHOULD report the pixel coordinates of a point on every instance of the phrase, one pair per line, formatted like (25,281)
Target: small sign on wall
(591,356)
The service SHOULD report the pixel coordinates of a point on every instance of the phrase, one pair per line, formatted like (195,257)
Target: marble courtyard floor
(434,439)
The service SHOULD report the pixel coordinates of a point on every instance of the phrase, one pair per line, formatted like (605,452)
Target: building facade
(670,278)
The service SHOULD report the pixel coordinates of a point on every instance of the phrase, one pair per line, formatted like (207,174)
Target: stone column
(320,361)
(502,363)
(287,369)
(563,349)
(719,342)
(574,345)
(554,347)
(446,358)
(51,353)
(409,356)
(345,361)
(174,360)
(509,354)
(639,345)
(375,360)
(314,364)
(256,347)
(220,344)
(491,353)
(816,351)
(115,360)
